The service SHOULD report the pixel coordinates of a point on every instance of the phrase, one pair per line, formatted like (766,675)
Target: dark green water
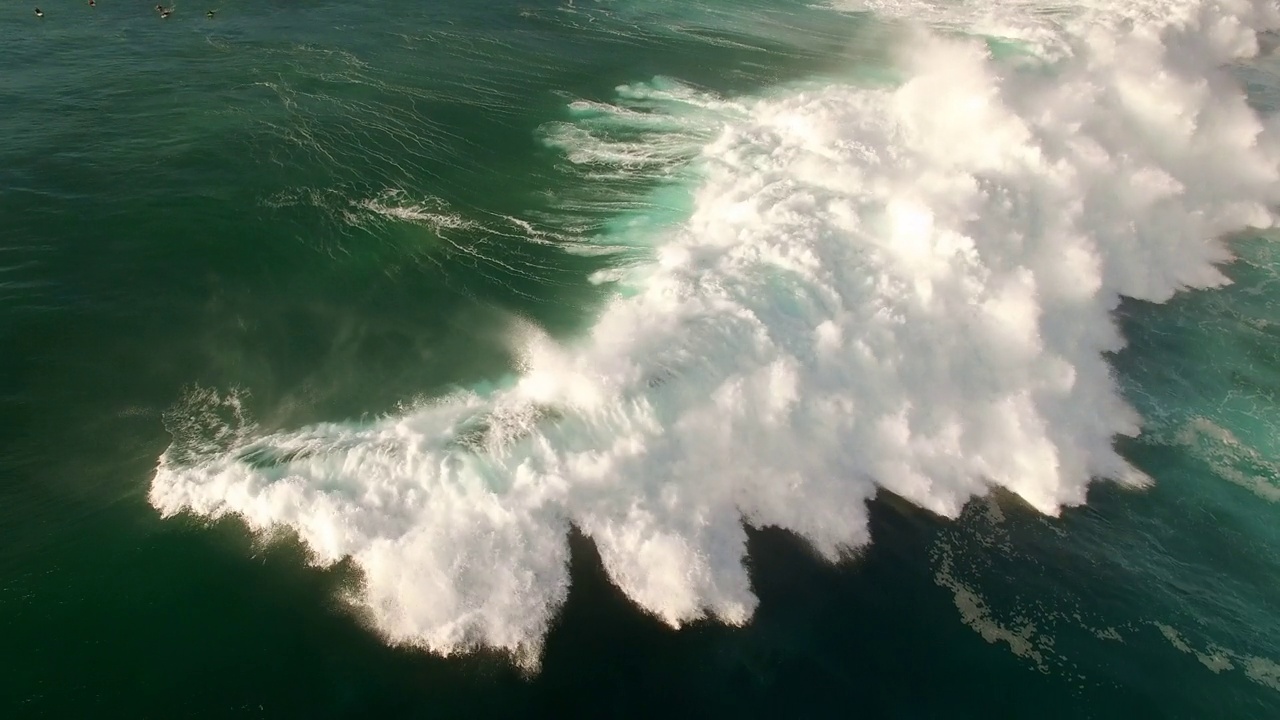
(340,210)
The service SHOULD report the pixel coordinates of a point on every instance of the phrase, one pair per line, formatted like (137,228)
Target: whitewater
(902,282)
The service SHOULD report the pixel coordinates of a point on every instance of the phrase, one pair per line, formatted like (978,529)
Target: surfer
(39,12)
(93,3)
(209,14)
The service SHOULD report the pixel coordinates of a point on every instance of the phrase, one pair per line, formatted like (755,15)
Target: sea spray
(904,287)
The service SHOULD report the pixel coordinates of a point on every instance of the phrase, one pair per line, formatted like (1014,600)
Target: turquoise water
(281,263)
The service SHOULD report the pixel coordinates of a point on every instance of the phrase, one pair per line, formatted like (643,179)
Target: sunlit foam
(907,288)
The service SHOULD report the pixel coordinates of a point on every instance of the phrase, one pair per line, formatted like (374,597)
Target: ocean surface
(640,358)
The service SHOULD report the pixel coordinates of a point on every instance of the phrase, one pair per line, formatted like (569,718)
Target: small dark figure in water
(166,13)
(39,12)
(92,3)
(210,13)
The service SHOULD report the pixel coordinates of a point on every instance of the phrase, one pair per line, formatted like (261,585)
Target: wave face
(903,286)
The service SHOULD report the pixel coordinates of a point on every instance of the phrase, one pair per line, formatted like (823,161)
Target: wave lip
(907,288)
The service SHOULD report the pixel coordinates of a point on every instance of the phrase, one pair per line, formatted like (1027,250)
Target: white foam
(905,288)
(431,212)
(650,130)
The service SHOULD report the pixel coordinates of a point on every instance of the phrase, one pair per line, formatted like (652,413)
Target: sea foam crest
(907,288)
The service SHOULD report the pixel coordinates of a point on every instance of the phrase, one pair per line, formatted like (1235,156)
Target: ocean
(640,358)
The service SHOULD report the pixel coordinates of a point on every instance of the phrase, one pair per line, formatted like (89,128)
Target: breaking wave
(905,287)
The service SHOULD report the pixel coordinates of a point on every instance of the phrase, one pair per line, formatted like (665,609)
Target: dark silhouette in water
(210,13)
(39,12)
